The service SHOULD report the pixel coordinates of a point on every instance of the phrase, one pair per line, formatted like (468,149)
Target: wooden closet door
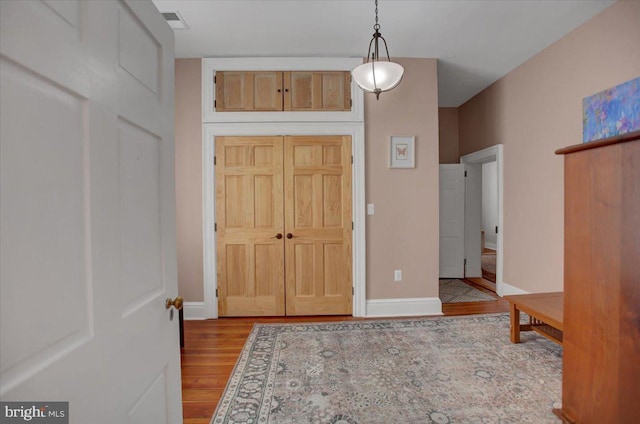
(249,217)
(318,219)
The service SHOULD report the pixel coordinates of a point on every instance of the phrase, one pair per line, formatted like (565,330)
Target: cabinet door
(248,91)
(317,91)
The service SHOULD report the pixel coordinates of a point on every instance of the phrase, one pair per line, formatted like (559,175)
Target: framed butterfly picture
(402,151)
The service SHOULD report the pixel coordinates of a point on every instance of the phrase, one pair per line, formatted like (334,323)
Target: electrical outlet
(397,275)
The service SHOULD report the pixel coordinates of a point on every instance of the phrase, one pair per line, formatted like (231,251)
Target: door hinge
(496,229)
(350,102)
(353,291)
(215,103)
(215,226)
(465,261)
(216,292)
(214,79)
(465,174)
(351,159)
(214,161)
(353,226)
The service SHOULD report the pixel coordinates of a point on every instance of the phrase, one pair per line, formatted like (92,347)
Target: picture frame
(402,151)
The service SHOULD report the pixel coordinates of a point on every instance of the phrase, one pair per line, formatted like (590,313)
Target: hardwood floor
(213,346)
(487,284)
(490,281)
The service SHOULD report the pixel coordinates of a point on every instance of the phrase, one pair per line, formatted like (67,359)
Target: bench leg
(515,323)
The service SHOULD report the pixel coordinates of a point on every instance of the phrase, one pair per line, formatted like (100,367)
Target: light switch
(370,209)
(397,275)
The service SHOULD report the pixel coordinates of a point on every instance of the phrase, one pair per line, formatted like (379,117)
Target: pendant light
(376,76)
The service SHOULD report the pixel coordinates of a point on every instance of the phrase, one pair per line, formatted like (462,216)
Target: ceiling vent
(175,20)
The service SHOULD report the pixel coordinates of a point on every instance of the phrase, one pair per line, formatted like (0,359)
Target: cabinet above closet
(274,91)
(280,89)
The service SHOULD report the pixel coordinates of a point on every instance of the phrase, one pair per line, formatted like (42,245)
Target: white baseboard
(505,289)
(404,307)
(375,308)
(491,246)
(194,310)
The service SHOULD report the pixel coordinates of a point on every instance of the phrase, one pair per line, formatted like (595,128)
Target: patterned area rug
(455,291)
(431,370)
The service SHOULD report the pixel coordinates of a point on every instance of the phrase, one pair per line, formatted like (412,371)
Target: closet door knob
(278,236)
(289,236)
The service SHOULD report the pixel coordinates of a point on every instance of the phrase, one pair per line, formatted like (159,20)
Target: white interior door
(473,220)
(87,210)
(452,221)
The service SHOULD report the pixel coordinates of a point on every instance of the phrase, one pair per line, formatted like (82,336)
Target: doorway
(474,245)
(284,225)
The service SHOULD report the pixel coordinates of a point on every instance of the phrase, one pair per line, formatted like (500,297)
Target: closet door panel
(318,225)
(249,217)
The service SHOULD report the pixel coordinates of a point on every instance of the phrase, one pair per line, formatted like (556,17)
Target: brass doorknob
(176,303)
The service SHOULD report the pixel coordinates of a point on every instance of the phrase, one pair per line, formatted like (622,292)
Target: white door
(87,210)
(452,221)
(473,220)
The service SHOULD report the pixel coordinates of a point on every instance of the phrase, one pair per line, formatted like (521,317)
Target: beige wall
(448,134)
(403,233)
(534,110)
(189,178)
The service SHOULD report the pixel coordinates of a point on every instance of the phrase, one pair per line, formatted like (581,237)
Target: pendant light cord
(377,25)
(376,55)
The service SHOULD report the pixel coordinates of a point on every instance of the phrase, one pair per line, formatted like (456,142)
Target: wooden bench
(545,314)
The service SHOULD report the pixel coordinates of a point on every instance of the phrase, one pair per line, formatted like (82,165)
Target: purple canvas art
(611,112)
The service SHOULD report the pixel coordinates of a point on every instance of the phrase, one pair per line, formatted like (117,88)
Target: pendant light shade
(376,76)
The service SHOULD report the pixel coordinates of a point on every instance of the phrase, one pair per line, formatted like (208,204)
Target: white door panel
(87,214)
(41,176)
(473,219)
(452,221)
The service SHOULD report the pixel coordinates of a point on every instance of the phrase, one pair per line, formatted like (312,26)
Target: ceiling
(476,42)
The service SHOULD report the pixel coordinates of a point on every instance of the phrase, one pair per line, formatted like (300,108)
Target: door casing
(208,308)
